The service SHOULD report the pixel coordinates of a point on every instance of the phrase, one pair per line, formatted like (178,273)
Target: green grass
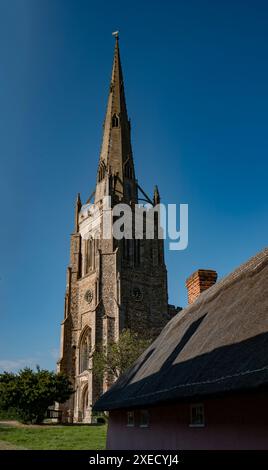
(55,437)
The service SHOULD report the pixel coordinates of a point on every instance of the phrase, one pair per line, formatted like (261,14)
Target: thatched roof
(218,344)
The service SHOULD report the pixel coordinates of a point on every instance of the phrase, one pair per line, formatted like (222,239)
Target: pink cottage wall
(238,422)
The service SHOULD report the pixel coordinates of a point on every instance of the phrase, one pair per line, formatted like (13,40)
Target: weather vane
(116,34)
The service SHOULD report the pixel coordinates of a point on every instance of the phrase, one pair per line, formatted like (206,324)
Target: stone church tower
(111,284)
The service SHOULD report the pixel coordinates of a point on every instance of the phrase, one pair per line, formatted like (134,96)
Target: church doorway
(85,411)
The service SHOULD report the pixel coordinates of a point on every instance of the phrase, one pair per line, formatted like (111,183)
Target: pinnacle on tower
(156,198)
(78,206)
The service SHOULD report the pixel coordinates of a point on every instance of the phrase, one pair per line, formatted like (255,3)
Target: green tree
(30,393)
(117,357)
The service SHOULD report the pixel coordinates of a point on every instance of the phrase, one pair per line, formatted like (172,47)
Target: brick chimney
(198,282)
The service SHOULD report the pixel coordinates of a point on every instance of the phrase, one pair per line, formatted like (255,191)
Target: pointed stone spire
(116,162)
(78,206)
(156,198)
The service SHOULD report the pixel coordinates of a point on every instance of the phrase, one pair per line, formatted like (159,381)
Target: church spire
(116,175)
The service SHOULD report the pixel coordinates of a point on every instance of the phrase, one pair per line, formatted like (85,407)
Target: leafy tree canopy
(30,392)
(115,359)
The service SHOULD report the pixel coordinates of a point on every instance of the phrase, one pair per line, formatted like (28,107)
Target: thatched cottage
(203,382)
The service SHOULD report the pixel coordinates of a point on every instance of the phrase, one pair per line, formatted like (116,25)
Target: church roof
(218,344)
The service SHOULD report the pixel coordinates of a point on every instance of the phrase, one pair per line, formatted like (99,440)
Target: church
(111,284)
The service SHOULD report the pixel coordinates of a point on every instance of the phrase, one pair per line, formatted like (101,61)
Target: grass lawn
(52,437)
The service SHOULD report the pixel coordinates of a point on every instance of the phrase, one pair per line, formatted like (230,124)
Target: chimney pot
(199,281)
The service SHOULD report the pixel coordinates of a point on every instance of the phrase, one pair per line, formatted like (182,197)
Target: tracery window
(84,350)
(88,255)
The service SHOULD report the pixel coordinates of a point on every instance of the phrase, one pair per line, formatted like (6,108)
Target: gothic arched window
(115,121)
(84,350)
(101,172)
(88,255)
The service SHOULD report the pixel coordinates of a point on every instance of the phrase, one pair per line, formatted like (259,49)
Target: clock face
(89,296)
(137,294)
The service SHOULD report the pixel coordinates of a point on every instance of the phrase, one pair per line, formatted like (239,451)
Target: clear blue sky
(196,75)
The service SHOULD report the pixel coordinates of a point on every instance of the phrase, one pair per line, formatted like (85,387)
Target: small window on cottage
(115,121)
(197,418)
(130,419)
(144,418)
